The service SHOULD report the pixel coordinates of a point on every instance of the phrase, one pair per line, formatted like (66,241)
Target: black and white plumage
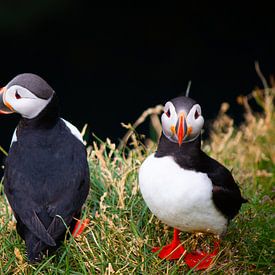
(181,185)
(46,175)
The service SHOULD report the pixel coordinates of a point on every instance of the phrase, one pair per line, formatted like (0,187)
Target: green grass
(123,231)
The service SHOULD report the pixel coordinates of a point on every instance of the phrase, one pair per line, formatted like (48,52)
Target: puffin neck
(169,148)
(47,118)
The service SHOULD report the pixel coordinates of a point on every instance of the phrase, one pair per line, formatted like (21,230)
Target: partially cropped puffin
(46,177)
(184,187)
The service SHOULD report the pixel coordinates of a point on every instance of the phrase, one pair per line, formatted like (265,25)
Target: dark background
(109,64)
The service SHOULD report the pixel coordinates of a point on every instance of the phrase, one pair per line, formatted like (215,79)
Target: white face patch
(24,102)
(169,120)
(195,120)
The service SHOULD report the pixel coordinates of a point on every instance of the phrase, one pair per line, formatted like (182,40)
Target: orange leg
(172,251)
(79,227)
(201,260)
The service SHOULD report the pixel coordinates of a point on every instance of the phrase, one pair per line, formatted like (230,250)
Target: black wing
(42,182)
(226,193)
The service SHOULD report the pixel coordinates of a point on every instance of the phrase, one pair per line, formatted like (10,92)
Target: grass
(122,229)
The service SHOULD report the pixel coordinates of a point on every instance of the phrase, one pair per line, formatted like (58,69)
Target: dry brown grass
(123,230)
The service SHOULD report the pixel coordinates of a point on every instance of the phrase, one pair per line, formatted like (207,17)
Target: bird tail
(36,248)
(38,229)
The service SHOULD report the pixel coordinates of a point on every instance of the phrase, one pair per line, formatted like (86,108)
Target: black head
(27,94)
(33,83)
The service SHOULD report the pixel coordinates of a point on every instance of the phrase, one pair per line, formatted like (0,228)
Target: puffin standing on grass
(184,187)
(46,177)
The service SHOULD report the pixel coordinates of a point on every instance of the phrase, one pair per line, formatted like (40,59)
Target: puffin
(184,187)
(46,173)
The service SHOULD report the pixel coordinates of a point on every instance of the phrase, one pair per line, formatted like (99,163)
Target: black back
(226,194)
(46,174)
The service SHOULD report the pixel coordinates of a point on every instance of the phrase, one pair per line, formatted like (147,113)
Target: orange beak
(182,128)
(5,107)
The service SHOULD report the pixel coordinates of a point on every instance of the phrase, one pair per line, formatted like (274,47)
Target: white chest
(178,197)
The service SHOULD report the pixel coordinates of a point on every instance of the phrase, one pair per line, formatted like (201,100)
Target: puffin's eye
(196,114)
(168,113)
(17,95)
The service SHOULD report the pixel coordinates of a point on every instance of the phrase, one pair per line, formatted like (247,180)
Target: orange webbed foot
(200,260)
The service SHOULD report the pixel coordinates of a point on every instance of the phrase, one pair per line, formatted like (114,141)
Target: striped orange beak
(182,128)
(5,107)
